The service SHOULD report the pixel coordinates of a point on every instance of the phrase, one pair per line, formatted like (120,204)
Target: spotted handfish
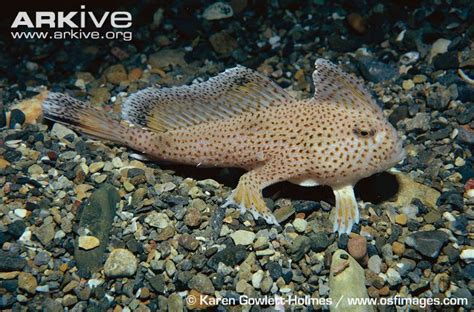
(240,118)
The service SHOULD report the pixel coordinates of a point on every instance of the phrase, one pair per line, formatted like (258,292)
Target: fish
(241,118)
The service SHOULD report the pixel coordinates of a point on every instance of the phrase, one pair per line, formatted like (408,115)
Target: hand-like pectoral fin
(346,213)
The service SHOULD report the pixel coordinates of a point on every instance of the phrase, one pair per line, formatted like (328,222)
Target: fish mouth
(399,153)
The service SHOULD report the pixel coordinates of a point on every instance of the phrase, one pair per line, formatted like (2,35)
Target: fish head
(374,142)
(366,143)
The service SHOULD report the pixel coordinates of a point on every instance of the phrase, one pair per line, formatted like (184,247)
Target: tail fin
(83,117)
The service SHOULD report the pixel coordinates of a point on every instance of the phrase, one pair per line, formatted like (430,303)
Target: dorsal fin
(332,84)
(233,92)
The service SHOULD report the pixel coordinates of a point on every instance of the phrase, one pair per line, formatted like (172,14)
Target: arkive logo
(73,19)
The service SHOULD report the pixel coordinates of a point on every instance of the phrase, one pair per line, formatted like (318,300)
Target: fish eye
(364,133)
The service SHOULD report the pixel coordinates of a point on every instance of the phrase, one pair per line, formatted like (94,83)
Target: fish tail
(83,117)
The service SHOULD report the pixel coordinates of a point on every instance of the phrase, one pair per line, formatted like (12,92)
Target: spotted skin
(242,119)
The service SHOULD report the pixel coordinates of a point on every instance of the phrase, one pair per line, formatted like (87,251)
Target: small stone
(175,303)
(459,162)
(202,283)
(35,170)
(356,22)
(398,248)
(401,219)
(157,219)
(192,217)
(257,278)
(135,74)
(120,263)
(69,300)
(223,42)
(59,131)
(17,117)
(217,11)
(129,187)
(166,58)
(157,282)
(242,286)
(357,247)
(467,254)
(393,277)
(428,243)
(116,74)
(242,237)
(374,264)
(45,233)
(188,242)
(419,79)
(21,213)
(408,84)
(27,282)
(88,242)
(266,284)
(94,167)
(300,225)
(440,46)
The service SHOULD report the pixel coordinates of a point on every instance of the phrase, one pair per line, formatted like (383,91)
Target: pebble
(27,282)
(17,117)
(374,264)
(120,263)
(357,247)
(95,167)
(398,248)
(257,278)
(88,242)
(223,42)
(21,213)
(300,225)
(393,277)
(428,243)
(60,131)
(45,233)
(202,283)
(467,254)
(408,84)
(192,217)
(217,11)
(158,219)
(401,219)
(242,237)
(188,242)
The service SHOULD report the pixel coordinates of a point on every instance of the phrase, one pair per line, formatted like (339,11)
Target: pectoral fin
(346,212)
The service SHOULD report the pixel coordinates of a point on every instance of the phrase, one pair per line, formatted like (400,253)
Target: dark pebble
(468,272)
(342,241)
(428,243)
(158,283)
(274,269)
(16,117)
(306,206)
(319,242)
(11,263)
(3,119)
(467,116)
(452,198)
(230,256)
(9,285)
(17,228)
(31,206)
(5,237)
(287,275)
(218,281)
(42,258)
(12,155)
(376,71)
(452,253)
(441,134)
(446,60)
(300,247)
(399,113)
